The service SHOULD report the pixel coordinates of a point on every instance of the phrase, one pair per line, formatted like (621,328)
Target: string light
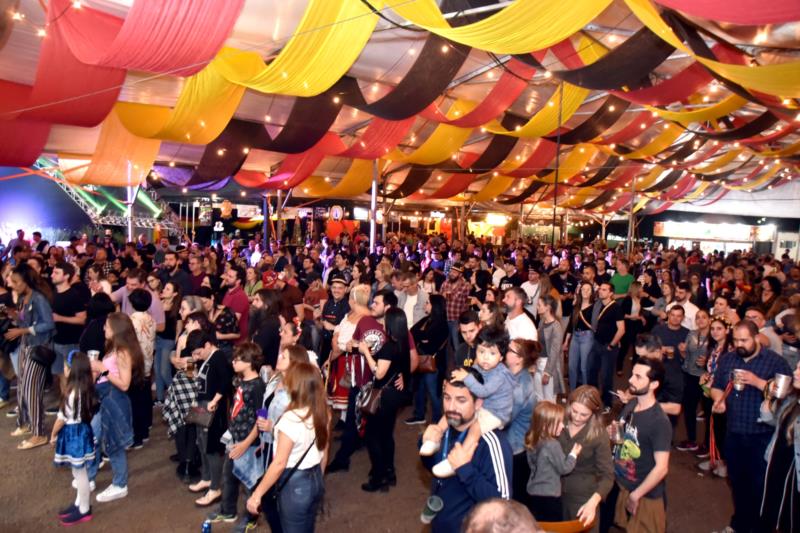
(445,48)
(411,51)
(336,99)
(242,194)
(17,16)
(245,150)
(611,108)
(41,32)
(267,118)
(76,4)
(184,190)
(548,74)
(172,164)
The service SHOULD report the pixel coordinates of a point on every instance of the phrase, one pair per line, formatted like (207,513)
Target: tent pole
(265,226)
(131,200)
(373,201)
(631,219)
(279,209)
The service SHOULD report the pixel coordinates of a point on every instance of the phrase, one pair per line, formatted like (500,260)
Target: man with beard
(171,271)
(642,435)
(456,292)
(683,291)
(531,288)
(746,439)
(565,283)
(483,471)
(518,324)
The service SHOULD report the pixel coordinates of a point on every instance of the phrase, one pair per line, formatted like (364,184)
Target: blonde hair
(360,294)
(544,423)
(589,397)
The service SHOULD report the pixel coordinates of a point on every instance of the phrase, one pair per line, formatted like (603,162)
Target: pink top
(110,362)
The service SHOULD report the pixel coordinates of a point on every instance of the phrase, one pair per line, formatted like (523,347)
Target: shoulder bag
(276,490)
(427,363)
(199,416)
(368,400)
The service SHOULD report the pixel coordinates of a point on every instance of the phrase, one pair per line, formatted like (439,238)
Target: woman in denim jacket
(35,326)
(780,505)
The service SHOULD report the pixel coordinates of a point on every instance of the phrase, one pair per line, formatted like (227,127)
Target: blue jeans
(455,334)
(300,499)
(162,367)
(606,357)
(119,460)
(580,351)
(5,385)
(62,351)
(427,386)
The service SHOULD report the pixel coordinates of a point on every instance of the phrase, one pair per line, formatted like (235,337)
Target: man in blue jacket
(482,472)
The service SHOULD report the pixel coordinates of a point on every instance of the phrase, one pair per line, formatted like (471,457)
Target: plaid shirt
(743,407)
(457,296)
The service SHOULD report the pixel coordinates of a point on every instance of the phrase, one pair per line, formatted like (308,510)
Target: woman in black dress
(391,359)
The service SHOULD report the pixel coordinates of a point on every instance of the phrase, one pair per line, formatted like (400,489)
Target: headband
(70,355)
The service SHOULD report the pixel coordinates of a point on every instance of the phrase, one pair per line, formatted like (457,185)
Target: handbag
(368,400)
(276,490)
(41,355)
(199,416)
(427,364)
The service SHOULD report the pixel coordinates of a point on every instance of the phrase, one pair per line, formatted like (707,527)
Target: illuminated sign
(359,213)
(720,232)
(437,214)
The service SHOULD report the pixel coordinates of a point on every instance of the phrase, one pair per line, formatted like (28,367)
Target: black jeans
(746,471)
(141,409)
(186,443)
(720,427)
(350,437)
(230,491)
(691,397)
(379,434)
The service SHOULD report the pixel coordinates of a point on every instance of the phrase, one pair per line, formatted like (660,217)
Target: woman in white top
(301,449)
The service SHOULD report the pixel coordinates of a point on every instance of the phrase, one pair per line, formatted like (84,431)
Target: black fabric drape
(668,181)
(599,200)
(761,123)
(609,166)
(600,121)
(627,65)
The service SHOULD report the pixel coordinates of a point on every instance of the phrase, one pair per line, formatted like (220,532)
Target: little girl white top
(66,413)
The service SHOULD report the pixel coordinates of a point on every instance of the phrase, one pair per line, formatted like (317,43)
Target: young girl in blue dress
(72,434)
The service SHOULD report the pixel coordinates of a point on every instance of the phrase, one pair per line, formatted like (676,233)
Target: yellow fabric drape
(768,175)
(496,186)
(640,204)
(443,142)
(520,28)
(725,107)
(660,143)
(205,106)
(327,42)
(573,164)
(546,119)
(694,195)
(324,46)
(116,149)
(789,150)
(356,180)
(778,79)
(718,163)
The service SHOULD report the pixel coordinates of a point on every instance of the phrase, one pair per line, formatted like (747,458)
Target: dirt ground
(32,490)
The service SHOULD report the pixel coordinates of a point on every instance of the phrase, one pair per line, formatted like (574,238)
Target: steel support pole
(631,219)
(265,226)
(278,225)
(373,202)
(131,199)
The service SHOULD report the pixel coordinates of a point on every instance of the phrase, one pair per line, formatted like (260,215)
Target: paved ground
(32,490)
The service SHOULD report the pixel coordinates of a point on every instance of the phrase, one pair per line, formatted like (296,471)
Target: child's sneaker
(443,469)
(77,517)
(429,448)
(112,493)
(63,513)
(219,517)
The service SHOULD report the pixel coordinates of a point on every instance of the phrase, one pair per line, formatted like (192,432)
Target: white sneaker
(443,469)
(721,470)
(705,466)
(92,485)
(112,493)
(429,448)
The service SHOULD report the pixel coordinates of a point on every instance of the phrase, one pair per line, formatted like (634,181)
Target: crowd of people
(256,358)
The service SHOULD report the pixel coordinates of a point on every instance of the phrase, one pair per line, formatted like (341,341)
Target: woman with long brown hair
(122,366)
(301,447)
(582,341)
(593,476)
